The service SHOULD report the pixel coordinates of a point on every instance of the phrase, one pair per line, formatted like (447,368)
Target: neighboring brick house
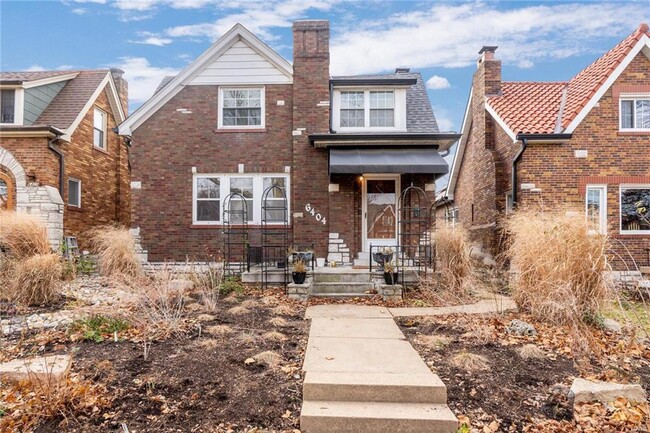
(583,143)
(60,157)
(241,118)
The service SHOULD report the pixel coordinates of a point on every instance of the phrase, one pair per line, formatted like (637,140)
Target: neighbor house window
(74,192)
(451,216)
(207,199)
(210,191)
(352,110)
(99,129)
(635,209)
(635,113)
(241,108)
(8,105)
(382,109)
(596,208)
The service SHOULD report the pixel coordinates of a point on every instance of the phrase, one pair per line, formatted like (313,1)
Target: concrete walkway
(362,375)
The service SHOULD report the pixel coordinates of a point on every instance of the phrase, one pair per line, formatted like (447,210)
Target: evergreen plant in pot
(299,272)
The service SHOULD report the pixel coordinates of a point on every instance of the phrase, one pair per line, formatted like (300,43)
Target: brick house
(582,142)
(240,118)
(60,157)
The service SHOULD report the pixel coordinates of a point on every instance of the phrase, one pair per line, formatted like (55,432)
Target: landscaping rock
(44,370)
(519,327)
(181,285)
(612,326)
(586,391)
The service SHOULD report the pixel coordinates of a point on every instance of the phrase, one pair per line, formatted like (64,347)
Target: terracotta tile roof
(529,107)
(67,105)
(26,76)
(534,107)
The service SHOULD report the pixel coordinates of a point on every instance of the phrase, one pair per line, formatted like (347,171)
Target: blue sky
(152,38)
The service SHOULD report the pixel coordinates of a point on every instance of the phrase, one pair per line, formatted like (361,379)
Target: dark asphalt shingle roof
(163,83)
(30,75)
(419,114)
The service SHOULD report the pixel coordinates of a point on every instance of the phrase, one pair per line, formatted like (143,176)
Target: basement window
(635,209)
(635,113)
(596,208)
(74,192)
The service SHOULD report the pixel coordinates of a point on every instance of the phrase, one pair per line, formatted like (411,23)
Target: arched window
(7,201)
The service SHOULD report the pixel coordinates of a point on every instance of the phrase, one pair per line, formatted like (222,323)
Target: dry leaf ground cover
(223,372)
(497,382)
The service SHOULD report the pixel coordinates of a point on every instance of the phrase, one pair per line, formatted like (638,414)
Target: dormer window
(357,110)
(8,105)
(635,113)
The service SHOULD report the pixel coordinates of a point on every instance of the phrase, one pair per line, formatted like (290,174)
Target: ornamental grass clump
(558,265)
(36,280)
(115,249)
(22,235)
(452,256)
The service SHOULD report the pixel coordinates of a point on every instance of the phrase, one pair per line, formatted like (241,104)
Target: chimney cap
(488,49)
(643,27)
(402,70)
(116,71)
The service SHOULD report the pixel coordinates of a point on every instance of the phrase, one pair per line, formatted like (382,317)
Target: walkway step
(341,277)
(342,287)
(375,417)
(341,295)
(374,387)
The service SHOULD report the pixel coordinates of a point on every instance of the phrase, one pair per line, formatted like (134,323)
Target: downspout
(520,154)
(331,108)
(61,156)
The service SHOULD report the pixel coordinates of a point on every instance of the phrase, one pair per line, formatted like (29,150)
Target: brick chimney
(311,112)
(122,88)
(489,70)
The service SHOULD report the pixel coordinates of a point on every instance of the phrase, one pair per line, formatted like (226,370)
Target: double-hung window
(379,110)
(74,192)
(211,191)
(596,208)
(99,129)
(635,113)
(382,109)
(353,113)
(7,105)
(635,209)
(241,108)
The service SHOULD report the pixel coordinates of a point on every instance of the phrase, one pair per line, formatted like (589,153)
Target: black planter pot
(299,277)
(381,258)
(390,277)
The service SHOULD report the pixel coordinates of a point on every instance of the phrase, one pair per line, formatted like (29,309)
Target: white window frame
(224,191)
(103,146)
(262,124)
(634,98)
(620,208)
(602,217)
(78,192)
(399,109)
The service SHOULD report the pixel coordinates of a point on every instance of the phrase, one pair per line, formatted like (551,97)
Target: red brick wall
(40,164)
(104,175)
(170,143)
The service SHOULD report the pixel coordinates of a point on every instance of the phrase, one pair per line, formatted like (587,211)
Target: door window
(381,212)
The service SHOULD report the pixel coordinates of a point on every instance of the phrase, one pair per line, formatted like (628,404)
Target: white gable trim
(643,44)
(49,80)
(460,151)
(113,99)
(500,121)
(163,96)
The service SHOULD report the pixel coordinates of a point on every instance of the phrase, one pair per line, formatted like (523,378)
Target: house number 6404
(311,211)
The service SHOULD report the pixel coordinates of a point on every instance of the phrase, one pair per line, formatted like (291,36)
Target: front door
(380,194)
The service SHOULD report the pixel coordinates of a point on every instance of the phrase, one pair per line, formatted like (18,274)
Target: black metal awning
(405,160)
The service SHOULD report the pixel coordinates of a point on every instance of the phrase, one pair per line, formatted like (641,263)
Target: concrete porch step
(375,417)
(341,277)
(374,387)
(341,295)
(342,287)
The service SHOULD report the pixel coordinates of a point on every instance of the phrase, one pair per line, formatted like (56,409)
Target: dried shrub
(453,257)
(250,303)
(238,311)
(219,330)
(23,235)
(558,266)
(115,249)
(283,310)
(470,361)
(248,338)
(278,321)
(36,280)
(531,351)
(433,341)
(269,358)
(208,283)
(274,336)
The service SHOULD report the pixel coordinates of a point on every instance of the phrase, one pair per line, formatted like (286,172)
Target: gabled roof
(168,90)
(419,115)
(554,107)
(71,104)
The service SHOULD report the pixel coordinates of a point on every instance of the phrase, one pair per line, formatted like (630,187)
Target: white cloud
(450,34)
(79,11)
(149,38)
(525,64)
(101,2)
(143,78)
(443,117)
(437,82)
(35,68)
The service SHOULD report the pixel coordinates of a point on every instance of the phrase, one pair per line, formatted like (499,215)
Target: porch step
(341,295)
(342,287)
(374,387)
(376,417)
(341,277)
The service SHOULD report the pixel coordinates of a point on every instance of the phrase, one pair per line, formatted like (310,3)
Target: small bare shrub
(208,283)
(160,304)
(209,343)
(283,310)
(250,303)
(219,330)
(248,338)
(274,336)
(433,341)
(36,280)
(531,351)
(270,301)
(278,321)
(269,358)
(115,248)
(452,255)
(23,235)
(238,311)
(470,361)
(559,267)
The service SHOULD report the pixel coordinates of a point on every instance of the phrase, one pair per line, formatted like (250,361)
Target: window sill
(238,130)
(631,235)
(99,149)
(237,226)
(630,132)
(74,208)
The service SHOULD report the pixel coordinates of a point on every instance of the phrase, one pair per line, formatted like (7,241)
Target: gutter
(520,154)
(61,156)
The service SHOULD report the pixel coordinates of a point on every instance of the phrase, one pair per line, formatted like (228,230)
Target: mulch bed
(195,382)
(515,394)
